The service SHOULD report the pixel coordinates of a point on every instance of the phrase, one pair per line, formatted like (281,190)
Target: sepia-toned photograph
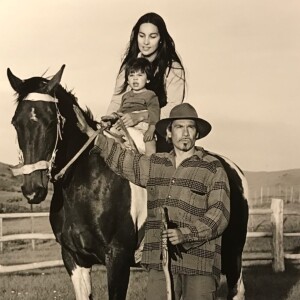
(150,150)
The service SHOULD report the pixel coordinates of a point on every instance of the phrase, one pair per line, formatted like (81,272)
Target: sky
(242,60)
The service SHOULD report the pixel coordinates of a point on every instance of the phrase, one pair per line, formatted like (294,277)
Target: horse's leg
(238,291)
(233,272)
(81,279)
(57,211)
(80,276)
(118,271)
(233,241)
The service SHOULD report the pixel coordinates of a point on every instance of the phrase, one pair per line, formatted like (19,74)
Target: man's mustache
(185,139)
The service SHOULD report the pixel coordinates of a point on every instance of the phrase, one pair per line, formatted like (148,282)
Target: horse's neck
(71,138)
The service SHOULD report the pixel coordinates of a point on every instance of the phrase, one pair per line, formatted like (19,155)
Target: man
(193,187)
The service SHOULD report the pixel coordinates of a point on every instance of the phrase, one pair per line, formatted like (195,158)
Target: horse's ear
(55,80)
(14,81)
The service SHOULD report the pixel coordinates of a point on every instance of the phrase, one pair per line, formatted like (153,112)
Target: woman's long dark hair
(166,56)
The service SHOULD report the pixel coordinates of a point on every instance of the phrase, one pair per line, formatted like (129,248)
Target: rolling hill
(8,182)
(255,179)
(285,178)
(277,183)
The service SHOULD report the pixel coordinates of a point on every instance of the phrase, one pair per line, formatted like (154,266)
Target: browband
(40,97)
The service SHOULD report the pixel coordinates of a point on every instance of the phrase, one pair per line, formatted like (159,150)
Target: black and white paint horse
(91,213)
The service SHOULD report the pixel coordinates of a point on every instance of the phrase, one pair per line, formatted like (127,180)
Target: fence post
(1,234)
(32,231)
(292,195)
(32,228)
(277,235)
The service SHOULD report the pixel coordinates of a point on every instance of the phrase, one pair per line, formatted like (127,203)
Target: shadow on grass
(262,283)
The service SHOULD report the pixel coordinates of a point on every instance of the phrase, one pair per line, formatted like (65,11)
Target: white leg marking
(81,279)
(138,208)
(138,211)
(240,289)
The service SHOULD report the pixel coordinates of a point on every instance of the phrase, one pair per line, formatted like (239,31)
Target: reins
(61,173)
(87,143)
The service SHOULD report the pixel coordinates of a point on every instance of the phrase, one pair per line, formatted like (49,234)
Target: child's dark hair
(139,64)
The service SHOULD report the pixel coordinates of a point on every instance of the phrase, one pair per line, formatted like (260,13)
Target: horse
(91,211)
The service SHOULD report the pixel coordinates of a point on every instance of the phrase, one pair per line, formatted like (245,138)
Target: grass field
(260,281)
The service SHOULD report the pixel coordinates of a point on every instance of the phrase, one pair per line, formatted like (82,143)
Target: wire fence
(263,195)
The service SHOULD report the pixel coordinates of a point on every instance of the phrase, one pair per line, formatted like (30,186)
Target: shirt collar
(199,153)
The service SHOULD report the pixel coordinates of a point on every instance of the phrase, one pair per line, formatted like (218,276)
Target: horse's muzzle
(35,187)
(36,196)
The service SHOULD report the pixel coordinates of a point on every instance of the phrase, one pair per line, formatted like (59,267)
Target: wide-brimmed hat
(184,111)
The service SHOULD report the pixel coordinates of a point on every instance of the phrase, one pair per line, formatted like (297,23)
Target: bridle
(22,169)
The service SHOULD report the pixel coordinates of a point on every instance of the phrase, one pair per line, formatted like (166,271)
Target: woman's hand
(82,124)
(132,119)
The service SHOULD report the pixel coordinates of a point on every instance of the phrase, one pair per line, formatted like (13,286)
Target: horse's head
(36,121)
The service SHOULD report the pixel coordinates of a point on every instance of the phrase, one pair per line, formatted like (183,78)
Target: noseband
(22,169)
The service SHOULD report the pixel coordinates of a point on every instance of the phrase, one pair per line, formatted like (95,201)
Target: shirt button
(173,181)
(169,196)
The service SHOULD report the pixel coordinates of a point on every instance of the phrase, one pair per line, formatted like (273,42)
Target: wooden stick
(165,256)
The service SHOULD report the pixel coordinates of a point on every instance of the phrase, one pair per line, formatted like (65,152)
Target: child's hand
(149,134)
(109,118)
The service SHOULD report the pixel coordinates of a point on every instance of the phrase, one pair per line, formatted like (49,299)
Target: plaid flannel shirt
(196,194)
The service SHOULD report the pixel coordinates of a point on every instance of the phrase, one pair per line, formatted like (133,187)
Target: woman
(150,39)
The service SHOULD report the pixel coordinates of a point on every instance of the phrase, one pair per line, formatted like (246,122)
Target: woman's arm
(175,87)
(116,99)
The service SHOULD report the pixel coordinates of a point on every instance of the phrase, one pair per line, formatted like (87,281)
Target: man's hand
(82,124)
(175,236)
